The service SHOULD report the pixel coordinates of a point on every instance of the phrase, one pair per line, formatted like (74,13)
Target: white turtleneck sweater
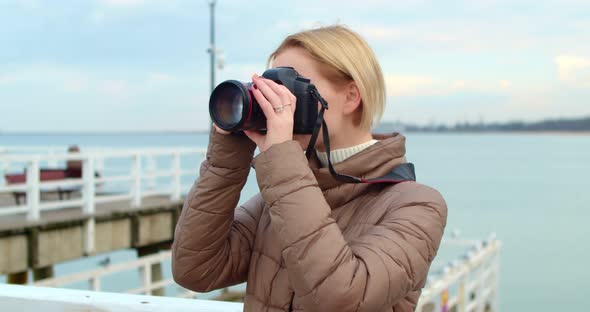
(340,155)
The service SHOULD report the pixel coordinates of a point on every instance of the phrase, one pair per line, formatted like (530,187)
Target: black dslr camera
(233,108)
(232,105)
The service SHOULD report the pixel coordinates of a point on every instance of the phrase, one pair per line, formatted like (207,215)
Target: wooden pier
(62,235)
(41,230)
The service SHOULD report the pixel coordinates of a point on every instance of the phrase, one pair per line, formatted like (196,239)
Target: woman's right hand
(219,130)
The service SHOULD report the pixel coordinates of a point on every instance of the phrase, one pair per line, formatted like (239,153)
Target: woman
(308,242)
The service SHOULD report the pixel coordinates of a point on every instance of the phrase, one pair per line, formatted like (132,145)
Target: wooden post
(43,273)
(20,278)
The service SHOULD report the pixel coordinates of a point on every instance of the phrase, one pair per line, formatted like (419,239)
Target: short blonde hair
(346,56)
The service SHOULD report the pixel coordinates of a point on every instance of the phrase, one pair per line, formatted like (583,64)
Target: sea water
(532,190)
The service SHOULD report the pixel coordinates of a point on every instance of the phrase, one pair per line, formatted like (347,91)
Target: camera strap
(402,173)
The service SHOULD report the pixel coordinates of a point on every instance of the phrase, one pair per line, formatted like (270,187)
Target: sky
(141,65)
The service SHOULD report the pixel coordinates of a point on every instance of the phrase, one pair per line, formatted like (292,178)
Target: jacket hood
(373,162)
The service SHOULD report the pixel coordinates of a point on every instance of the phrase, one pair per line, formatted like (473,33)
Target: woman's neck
(346,140)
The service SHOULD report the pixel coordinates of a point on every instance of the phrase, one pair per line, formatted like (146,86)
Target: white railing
(48,149)
(467,284)
(31,298)
(144,265)
(44,150)
(140,170)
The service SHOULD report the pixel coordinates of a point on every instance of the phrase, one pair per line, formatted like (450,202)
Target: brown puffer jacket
(307,242)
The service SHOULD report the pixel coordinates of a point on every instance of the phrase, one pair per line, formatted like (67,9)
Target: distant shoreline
(561,133)
(93,133)
(540,132)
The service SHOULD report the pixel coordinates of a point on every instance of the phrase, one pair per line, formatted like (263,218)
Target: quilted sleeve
(213,239)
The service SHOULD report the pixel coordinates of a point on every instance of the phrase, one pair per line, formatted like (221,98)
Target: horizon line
(202,131)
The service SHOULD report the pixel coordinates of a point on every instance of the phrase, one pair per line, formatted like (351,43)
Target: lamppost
(212,49)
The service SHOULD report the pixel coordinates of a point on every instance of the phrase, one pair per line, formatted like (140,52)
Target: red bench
(46,175)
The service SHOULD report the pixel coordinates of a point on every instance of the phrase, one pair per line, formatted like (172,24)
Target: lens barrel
(233,108)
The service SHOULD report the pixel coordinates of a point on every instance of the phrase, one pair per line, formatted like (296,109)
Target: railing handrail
(481,260)
(433,293)
(30,298)
(100,154)
(143,263)
(140,176)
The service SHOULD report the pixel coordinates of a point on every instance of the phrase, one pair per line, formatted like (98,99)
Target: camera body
(233,107)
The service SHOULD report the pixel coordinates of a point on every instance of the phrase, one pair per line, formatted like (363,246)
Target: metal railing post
(146,274)
(52,163)
(33,190)
(99,163)
(5,165)
(461,295)
(89,207)
(496,280)
(89,188)
(479,290)
(136,202)
(151,168)
(176,183)
(95,283)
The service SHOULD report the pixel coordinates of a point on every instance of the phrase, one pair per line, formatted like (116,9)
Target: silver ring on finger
(280,109)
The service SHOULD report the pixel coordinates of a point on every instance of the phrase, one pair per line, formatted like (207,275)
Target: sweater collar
(340,155)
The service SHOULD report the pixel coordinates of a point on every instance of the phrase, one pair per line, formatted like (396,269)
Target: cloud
(505,84)
(57,77)
(155,78)
(123,3)
(97,16)
(102,12)
(420,86)
(417,33)
(459,85)
(29,4)
(76,85)
(10,78)
(115,88)
(242,72)
(408,85)
(380,32)
(574,70)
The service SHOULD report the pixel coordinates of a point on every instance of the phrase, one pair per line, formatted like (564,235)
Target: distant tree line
(566,125)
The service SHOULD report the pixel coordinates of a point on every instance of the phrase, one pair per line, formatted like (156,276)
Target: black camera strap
(401,173)
(318,123)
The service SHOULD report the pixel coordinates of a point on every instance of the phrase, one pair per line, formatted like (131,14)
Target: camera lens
(226,104)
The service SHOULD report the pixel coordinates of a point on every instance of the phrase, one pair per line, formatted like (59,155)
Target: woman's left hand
(278,105)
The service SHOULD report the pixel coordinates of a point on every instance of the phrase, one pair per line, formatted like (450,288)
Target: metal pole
(212,42)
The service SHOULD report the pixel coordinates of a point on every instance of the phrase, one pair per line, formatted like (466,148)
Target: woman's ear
(352,98)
